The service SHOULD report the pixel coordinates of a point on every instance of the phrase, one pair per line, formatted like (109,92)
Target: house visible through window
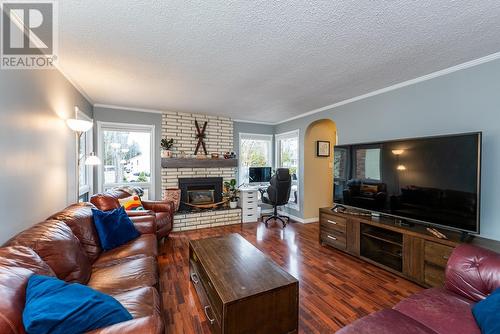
(127,156)
(255,151)
(287,156)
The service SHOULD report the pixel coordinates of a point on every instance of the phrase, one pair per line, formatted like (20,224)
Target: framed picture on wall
(322,148)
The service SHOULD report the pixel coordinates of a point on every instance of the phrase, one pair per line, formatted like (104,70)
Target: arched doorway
(318,170)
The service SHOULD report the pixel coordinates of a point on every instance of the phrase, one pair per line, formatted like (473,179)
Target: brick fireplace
(219,139)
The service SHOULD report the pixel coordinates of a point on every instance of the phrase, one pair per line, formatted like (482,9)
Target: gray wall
(37,148)
(463,101)
(133,117)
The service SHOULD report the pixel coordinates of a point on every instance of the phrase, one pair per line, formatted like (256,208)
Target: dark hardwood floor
(335,288)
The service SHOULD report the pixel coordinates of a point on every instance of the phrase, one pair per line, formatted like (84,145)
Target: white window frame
(87,188)
(277,160)
(112,126)
(256,136)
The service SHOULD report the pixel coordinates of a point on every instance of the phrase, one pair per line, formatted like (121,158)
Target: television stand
(408,251)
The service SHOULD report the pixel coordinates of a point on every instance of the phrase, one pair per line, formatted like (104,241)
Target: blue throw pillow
(114,228)
(487,313)
(54,306)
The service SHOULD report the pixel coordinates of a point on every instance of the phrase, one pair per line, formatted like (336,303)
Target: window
(287,156)
(255,151)
(85,172)
(368,163)
(127,156)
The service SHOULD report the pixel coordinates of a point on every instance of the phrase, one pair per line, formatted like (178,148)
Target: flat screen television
(259,174)
(433,180)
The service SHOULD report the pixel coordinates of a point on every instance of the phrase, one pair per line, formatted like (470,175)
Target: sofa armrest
(139,213)
(151,325)
(159,206)
(144,224)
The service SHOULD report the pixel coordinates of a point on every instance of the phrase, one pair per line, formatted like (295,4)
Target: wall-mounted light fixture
(401,167)
(80,126)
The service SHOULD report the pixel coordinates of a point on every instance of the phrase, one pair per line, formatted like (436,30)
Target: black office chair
(278,194)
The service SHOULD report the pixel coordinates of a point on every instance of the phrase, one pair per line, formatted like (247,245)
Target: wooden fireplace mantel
(198,163)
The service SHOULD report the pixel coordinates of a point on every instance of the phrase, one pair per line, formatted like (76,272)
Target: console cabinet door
(413,259)
(353,237)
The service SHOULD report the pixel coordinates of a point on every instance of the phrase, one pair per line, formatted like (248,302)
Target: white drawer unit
(249,204)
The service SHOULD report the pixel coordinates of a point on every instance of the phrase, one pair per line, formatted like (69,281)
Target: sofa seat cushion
(56,307)
(17,265)
(144,246)
(56,244)
(142,302)
(79,218)
(125,276)
(443,311)
(150,325)
(386,322)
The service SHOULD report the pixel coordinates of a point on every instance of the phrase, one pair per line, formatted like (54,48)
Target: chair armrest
(139,213)
(159,206)
(151,324)
(144,224)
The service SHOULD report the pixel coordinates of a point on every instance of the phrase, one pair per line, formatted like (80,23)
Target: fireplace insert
(200,190)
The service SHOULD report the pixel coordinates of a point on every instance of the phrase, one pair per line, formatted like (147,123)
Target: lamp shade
(92,160)
(79,125)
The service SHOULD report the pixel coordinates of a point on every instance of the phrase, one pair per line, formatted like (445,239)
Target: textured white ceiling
(264,60)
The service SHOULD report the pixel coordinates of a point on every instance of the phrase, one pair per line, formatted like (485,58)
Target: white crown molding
(253,122)
(426,77)
(112,106)
(74,84)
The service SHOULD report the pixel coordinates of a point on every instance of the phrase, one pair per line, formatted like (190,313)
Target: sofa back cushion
(56,244)
(473,272)
(17,264)
(79,218)
(108,200)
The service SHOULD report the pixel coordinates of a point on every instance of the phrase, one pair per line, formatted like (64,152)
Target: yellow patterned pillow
(132,203)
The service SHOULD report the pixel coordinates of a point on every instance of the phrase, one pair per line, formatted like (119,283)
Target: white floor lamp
(80,126)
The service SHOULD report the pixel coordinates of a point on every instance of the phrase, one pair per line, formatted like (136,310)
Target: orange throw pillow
(132,203)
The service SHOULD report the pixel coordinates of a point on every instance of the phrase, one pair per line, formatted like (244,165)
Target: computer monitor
(259,174)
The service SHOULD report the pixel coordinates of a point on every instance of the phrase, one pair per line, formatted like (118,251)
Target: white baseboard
(295,218)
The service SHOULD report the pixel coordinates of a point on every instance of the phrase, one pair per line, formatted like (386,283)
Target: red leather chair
(472,273)
(163,211)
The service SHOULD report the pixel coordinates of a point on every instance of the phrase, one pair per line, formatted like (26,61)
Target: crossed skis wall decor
(200,135)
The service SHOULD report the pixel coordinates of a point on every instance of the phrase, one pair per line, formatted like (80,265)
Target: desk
(249,203)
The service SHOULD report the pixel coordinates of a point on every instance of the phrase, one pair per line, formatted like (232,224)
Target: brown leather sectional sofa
(162,210)
(66,245)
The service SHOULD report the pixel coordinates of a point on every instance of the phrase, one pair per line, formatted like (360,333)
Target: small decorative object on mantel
(229,155)
(200,135)
(166,145)
(322,148)
(215,155)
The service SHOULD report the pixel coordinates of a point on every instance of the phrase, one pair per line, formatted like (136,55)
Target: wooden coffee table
(240,289)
